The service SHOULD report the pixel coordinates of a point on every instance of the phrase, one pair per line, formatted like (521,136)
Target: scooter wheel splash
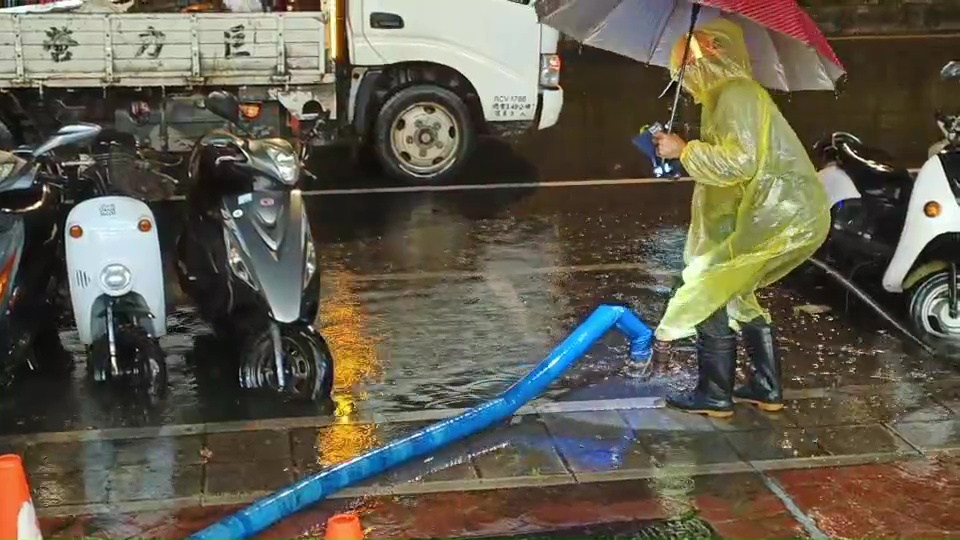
(309,364)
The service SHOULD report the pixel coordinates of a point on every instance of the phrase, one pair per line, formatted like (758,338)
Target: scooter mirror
(951,71)
(67,135)
(224,105)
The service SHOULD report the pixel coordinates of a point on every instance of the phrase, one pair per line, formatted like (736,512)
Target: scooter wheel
(308,360)
(930,308)
(143,364)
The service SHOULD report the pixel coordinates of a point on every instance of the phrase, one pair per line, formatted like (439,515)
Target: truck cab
(417,81)
(429,76)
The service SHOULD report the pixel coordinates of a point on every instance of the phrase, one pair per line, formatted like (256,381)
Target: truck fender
(393,78)
(493,85)
(366,92)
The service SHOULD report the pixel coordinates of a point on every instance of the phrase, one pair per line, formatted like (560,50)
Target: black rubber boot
(717,364)
(763,387)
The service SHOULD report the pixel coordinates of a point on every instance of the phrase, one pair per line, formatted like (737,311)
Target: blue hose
(306,492)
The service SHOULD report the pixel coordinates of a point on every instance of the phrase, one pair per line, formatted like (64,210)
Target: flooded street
(448,298)
(442,299)
(436,299)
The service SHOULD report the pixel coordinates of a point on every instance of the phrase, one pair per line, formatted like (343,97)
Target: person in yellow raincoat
(758,212)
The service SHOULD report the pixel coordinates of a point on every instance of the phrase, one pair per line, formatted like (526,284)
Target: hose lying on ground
(832,272)
(313,489)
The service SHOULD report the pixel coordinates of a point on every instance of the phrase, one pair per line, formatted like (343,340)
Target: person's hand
(669,145)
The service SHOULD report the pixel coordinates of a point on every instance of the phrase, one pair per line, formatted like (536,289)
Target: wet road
(449,297)
(889,99)
(440,299)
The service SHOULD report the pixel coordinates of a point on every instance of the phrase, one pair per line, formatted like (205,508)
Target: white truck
(416,80)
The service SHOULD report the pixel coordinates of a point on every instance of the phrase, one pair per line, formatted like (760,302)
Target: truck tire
(424,135)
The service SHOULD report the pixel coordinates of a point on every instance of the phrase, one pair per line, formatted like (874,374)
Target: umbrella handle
(694,14)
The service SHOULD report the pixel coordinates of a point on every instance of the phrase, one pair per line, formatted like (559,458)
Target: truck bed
(74,50)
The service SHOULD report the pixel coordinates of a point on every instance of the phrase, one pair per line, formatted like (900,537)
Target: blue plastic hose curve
(313,489)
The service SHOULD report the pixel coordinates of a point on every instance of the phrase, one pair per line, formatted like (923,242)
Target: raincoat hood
(717,54)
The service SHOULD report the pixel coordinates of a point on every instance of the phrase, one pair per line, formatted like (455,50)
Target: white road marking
(492,186)
(507,185)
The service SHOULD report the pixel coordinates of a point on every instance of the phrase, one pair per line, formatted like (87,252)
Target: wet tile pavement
(563,468)
(912,499)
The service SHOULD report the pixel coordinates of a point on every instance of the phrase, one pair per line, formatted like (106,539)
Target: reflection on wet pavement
(449,308)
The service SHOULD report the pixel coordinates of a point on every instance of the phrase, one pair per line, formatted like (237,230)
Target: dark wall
(850,17)
(889,98)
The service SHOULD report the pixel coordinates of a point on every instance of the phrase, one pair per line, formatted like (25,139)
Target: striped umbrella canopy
(787,50)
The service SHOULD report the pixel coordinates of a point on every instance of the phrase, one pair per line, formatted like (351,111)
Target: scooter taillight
(250,111)
(6,274)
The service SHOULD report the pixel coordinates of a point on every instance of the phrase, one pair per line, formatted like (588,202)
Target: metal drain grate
(685,529)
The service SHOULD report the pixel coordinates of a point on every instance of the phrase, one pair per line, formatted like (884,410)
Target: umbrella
(787,50)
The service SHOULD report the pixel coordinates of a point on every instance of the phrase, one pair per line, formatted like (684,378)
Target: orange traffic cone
(18,519)
(344,527)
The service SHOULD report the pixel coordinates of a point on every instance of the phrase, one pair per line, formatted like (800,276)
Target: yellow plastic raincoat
(758,208)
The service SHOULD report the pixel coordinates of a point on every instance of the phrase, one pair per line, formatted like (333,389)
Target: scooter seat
(873,163)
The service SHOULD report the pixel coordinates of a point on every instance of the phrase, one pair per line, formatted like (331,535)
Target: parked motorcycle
(114,268)
(906,230)
(30,203)
(247,256)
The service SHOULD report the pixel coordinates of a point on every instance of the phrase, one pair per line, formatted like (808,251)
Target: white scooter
(114,268)
(907,228)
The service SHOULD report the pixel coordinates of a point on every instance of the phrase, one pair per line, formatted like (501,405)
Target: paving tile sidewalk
(560,452)
(890,500)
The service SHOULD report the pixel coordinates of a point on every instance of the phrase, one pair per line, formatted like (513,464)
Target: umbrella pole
(694,14)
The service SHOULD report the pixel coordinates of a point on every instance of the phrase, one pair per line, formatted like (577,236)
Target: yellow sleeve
(736,126)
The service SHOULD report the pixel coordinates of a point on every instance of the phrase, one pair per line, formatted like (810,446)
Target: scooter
(114,269)
(30,203)
(905,231)
(247,256)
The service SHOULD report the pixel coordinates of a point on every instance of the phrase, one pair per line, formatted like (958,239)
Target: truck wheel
(424,134)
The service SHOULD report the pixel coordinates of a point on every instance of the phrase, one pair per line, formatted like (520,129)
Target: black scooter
(892,230)
(31,255)
(248,260)
(869,194)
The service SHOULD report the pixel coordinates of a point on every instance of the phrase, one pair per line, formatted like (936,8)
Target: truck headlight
(287,165)
(550,71)
(115,279)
